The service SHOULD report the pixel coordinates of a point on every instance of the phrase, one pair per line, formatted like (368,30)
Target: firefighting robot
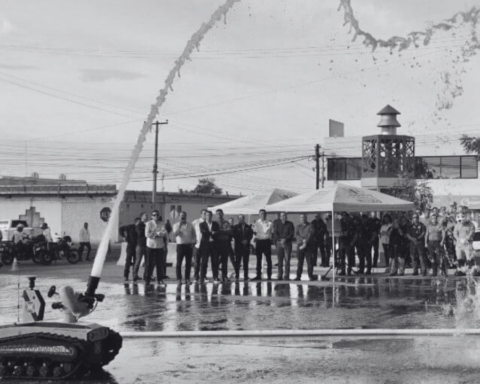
(56,350)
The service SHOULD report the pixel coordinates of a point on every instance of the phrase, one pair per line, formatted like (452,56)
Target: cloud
(6,26)
(18,67)
(99,75)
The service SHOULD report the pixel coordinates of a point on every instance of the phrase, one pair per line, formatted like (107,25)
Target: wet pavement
(376,301)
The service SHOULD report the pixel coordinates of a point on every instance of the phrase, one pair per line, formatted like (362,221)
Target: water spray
(192,44)
(452,80)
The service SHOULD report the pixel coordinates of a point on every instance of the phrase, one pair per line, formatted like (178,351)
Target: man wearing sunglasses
(209,230)
(156,235)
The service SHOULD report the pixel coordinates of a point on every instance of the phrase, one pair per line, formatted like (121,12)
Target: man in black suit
(242,234)
(129,233)
(209,230)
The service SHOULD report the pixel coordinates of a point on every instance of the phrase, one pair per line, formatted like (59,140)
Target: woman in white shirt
(384,235)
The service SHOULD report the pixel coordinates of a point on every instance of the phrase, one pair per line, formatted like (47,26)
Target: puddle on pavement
(354,302)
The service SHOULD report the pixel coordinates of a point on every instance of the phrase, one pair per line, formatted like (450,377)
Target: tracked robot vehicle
(42,350)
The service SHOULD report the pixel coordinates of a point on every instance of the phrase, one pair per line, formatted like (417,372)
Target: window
(429,167)
(345,168)
(446,167)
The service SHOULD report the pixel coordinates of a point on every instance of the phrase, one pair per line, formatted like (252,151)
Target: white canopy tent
(250,205)
(341,198)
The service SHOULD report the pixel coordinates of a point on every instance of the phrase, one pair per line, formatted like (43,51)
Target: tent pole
(333,243)
(333,253)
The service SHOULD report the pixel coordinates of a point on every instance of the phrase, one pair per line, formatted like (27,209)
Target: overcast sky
(77,79)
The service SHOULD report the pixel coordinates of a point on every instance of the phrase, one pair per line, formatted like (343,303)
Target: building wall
(76,212)
(129,211)
(48,208)
(67,214)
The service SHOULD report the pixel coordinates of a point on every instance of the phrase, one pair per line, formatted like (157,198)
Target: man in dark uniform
(320,233)
(129,233)
(284,232)
(242,234)
(364,245)
(141,248)
(222,242)
(416,235)
(374,223)
(346,241)
(355,225)
(305,247)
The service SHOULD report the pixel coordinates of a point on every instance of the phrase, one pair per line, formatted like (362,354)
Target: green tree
(471,145)
(417,191)
(207,185)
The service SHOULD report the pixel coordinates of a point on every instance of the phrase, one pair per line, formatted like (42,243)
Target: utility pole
(317,166)
(323,169)
(155,162)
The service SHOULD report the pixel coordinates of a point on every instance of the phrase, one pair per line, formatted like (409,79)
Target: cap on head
(44,226)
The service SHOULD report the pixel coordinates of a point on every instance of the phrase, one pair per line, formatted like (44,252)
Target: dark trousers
(417,251)
(242,252)
(328,249)
(284,252)
(206,251)
(302,255)
(374,245)
(140,252)
(365,254)
(323,253)
(154,259)
(82,246)
(223,249)
(198,262)
(436,253)
(184,251)
(386,252)
(346,254)
(264,247)
(129,260)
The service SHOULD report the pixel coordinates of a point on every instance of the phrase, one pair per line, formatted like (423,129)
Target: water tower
(387,154)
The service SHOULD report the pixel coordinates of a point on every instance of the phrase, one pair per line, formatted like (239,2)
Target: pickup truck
(8,227)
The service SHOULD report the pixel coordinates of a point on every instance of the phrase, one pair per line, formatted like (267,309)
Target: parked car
(8,227)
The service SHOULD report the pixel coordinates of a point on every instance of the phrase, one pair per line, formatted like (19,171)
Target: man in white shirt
(84,242)
(185,238)
(198,235)
(263,230)
(156,235)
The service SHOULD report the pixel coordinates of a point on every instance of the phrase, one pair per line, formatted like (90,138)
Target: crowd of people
(436,239)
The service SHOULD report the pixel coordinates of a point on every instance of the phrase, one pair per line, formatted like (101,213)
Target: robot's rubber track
(41,368)
(113,344)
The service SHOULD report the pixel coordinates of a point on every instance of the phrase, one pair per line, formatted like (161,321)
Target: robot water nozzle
(31,280)
(92,286)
